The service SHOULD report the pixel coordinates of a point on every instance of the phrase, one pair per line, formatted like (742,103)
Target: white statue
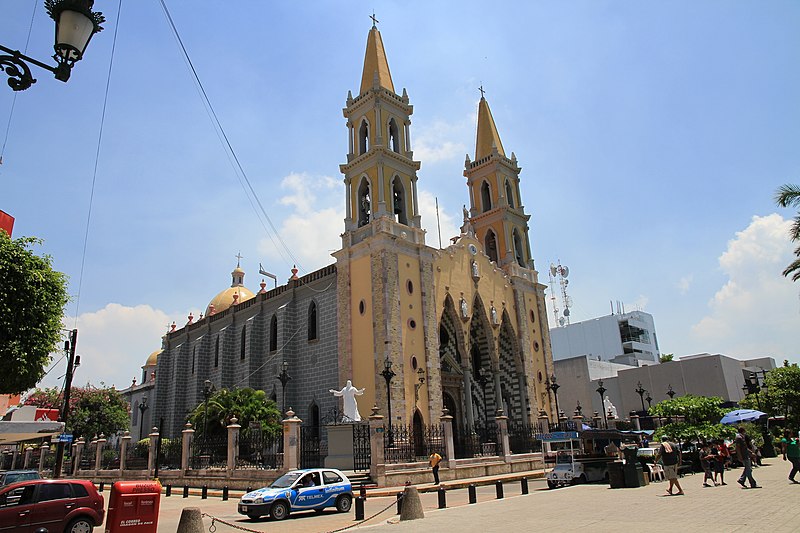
(349,393)
(609,407)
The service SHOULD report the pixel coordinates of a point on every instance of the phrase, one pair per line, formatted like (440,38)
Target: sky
(652,138)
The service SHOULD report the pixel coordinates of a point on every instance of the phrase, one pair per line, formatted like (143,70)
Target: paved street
(595,508)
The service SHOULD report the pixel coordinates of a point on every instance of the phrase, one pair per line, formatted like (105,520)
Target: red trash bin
(133,507)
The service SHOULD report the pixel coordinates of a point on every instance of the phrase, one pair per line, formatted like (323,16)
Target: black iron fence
(522,438)
(110,458)
(209,452)
(136,455)
(88,456)
(477,441)
(362,448)
(312,450)
(258,449)
(170,453)
(407,444)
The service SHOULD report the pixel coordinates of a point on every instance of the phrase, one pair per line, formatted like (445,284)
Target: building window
(363,138)
(243,349)
(194,355)
(399,201)
(312,321)
(490,245)
(509,195)
(486,197)
(518,254)
(394,136)
(410,286)
(216,353)
(273,334)
(362,307)
(364,203)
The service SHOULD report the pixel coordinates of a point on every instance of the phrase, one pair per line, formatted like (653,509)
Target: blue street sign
(557,436)
(64,437)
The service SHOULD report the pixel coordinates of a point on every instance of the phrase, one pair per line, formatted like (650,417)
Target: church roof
(487,137)
(236,293)
(375,62)
(153,358)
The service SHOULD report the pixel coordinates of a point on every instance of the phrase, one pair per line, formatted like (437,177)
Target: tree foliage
(92,411)
(32,299)
(247,405)
(781,397)
(789,196)
(666,357)
(694,410)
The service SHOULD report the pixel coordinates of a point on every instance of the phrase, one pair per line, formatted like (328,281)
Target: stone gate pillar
(28,454)
(449,445)
(123,452)
(291,441)
(233,444)
(376,435)
(45,449)
(502,436)
(151,455)
(186,446)
(98,453)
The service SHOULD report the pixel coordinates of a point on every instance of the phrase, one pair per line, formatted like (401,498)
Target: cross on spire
(239,257)
(481,90)
(374,20)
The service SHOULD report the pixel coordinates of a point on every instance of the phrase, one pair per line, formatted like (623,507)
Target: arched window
(194,354)
(490,244)
(399,201)
(518,254)
(394,136)
(216,353)
(363,138)
(244,343)
(273,333)
(312,321)
(364,203)
(509,194)
(486,197)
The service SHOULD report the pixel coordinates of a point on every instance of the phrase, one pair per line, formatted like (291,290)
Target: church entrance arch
(511,372)
(419,434)
(480,365)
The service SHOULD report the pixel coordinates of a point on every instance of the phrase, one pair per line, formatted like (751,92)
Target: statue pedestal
(340,447)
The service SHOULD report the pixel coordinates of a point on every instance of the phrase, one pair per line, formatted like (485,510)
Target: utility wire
(241,174)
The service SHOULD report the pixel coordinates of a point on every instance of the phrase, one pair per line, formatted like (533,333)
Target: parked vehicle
(299,490)
(68,505)
(7,477)
(573,470)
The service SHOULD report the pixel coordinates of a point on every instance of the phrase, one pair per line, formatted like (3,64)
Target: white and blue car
(299,490)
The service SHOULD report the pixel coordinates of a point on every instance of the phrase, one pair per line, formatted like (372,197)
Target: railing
(88,457)
(209,452)
(136,456)
(478,441)
(404,444)
(110,459)
(171,450)
(311,447)
(522,438)
(260,450)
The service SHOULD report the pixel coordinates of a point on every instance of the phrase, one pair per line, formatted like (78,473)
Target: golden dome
(151,361)
(224,300)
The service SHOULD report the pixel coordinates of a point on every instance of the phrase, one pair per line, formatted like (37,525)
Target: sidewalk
(598,508)
(458,483)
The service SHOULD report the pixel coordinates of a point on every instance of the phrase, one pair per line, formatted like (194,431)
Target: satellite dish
(565,271)
(552,269)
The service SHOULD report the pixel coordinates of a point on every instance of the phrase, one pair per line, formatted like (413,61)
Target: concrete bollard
(360,508)
(185,491)
(473,496)
(524,483)
(204,492)
(225,493)
(191,521)
(498,486)
(399,502)
(442,497)
(102,486)
(169,491)
(412,506)
(362,492)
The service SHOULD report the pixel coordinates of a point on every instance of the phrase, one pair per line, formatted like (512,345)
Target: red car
(58,505)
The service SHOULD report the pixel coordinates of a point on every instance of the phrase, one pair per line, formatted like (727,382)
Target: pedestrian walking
(745,455)
(706,462)
(791,451)
(720,458)
(434,461)
(670,457)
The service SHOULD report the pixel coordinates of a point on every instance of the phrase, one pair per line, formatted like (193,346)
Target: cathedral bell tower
(496,210)
(380,174)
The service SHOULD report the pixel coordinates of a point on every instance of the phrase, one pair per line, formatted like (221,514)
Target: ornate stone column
(233,444)
(376,436)
(449,444)
(291,441)
(123,452)
(98,453)
(186,446)
(502,436)
(151,456)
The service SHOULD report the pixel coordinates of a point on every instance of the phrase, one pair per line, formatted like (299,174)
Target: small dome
(224,300)
(151,361)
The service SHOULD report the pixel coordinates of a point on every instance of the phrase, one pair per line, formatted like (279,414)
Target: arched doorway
(419,435)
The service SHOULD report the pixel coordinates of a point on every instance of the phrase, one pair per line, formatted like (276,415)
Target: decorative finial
(173,326)
(239,258)
(294,272)
(374,21)
(191,318)
(263,286)
(482,91)
(212,309)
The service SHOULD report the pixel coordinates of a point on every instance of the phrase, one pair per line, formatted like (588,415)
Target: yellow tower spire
(375,63)
(487,138)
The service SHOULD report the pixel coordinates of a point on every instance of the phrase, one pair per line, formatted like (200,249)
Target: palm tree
(244,404)
(789,196)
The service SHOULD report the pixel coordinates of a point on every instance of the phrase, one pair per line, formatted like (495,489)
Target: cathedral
(420,329)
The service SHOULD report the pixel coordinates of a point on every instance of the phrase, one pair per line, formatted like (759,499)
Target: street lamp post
(552,385)
(284,378)
(601,391)
(417,386)
(72,362)
(648,399)
(76,23)
(142,408)
(483,380)
(671,393)
(640,391)
(388,374)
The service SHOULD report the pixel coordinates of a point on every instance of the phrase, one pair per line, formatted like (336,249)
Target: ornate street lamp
(551,385)
(579,409)
(601,391)
(671,393)
(417,386)
(284,378)
(640,391)
(388,374)
(76,23)
(648,399)
(142,408)
(483,380)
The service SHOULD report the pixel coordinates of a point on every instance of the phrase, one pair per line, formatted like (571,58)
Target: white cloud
(433,143)
(113,342)
(756,311)
(684,284)
(447,223)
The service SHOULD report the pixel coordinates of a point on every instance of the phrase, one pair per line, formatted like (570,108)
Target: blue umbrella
(741,415)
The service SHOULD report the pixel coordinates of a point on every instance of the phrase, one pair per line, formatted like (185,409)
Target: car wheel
(582,479)
(279,511)
(80,525)
(551,484)
(253,516)
(343,503)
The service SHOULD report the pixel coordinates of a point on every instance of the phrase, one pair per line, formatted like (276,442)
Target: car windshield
(286,480)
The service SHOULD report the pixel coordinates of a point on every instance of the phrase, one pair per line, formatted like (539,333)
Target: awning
(11,432)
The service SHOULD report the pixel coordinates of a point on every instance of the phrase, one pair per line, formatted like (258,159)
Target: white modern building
(626,338)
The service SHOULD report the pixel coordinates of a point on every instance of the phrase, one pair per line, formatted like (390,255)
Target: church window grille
(509,195)
(491,245)
(216,353)
(394,136)
(312,321)
(273,334)
(364,203)
(363,138)
(486,197)
(518,255)
(399,201)
(144,377)
(243,349)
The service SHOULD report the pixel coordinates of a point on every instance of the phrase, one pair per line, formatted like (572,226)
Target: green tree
(32,299)
(781,396)
(666,357)
(92,411)
(691,418)
(246,404)
(789,196)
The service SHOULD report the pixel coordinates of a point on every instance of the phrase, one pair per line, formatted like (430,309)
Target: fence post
(376,430)
(291,441)
(98,453)
(544,422)
(502,436)
(77,452)
(123,452)
(186,446)
(43,455)
(151,453)
(233,444)
(28,453)
(449,446)
(637,425)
